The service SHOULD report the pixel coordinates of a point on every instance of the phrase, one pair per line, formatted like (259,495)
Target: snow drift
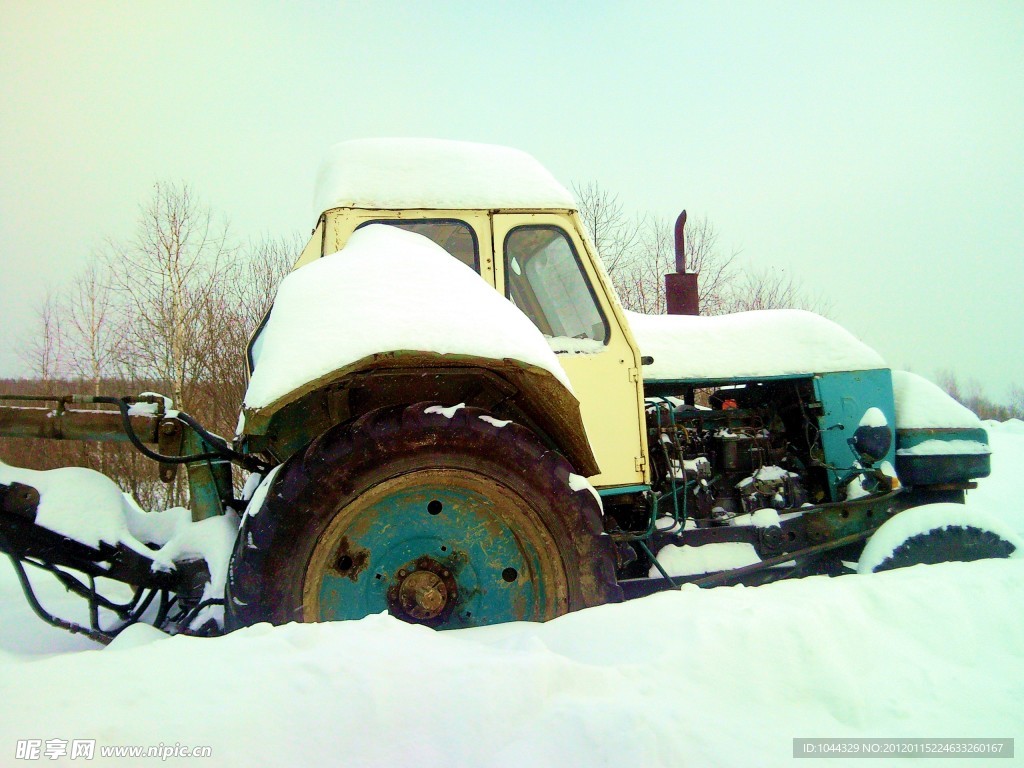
(721,677)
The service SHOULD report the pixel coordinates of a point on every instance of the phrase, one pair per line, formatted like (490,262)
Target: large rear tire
(440,516)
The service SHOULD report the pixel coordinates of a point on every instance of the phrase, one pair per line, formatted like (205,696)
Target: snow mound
(136,636)
(688,560)
(432,173)
(78,503)
(873,417)
(776,342)
(923,405)
(544,694)
(1011,426)
(999,493)
(606,686)
(88,507)
(388,290)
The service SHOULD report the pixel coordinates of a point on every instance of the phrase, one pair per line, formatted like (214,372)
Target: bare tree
(267,260)
(236,311)
(972,395)
(640,279)
(166,281)
(43,352)
(165,277)
(1017,401)
(948,382)
(638,251)
(615,235)
(170,310)
(88,321)
(771,289)
(716,268)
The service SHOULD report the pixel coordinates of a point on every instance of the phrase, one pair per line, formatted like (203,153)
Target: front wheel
(440,516)
(937,533)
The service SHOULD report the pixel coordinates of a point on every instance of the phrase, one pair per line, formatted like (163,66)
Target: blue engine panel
(845,397)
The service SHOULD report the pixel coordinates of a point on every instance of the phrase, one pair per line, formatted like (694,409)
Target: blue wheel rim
(478,544)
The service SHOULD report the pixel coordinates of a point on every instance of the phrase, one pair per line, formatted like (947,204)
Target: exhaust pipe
(681,296)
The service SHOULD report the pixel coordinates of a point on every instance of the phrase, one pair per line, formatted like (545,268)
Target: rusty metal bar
(724,577)
(66,424)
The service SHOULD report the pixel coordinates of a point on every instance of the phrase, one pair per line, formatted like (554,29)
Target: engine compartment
(753,446)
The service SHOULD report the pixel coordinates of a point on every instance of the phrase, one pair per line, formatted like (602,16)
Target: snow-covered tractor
(450,417)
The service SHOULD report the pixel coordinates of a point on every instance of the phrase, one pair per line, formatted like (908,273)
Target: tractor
(450,417)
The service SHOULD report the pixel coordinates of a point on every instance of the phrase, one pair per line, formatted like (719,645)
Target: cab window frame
(398,222)
(581,271)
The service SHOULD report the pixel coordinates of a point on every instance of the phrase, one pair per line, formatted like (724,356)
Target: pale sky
(876,150)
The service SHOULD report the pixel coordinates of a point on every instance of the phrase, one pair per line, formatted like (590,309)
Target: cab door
(543,266)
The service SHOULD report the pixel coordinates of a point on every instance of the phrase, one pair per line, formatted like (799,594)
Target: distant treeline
(972,396)
(170,311)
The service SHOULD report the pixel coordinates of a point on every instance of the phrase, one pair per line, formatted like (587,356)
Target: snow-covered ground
(715,677)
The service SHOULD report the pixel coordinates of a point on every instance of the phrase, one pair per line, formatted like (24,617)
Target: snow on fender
(927,519)
(311,331)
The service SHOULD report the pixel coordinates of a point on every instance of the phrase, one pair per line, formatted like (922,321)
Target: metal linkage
(217,443)
(62,423)
(128,613)
(184,619)
(77,567)
(132,612)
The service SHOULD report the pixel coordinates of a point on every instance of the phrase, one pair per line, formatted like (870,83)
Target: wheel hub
(425,592)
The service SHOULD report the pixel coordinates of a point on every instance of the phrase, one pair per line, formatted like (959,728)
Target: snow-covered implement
(450,417)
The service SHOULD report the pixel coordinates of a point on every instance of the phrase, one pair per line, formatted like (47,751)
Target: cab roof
(397,174)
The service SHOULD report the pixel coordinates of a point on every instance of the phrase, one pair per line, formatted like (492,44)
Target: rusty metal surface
(508,389)
(73,424)
(680,240)
(425,592)
(736,574)
(19,499)
(681,294)
(169,437)
(350,561)
(681,297)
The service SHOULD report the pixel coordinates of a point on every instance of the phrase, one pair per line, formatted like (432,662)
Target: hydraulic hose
(220,448)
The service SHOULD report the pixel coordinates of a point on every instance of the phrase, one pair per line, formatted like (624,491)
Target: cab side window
(454,236)
(544,278)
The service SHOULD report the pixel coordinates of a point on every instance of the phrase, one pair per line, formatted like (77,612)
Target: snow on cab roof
(434,173)
(771,342)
